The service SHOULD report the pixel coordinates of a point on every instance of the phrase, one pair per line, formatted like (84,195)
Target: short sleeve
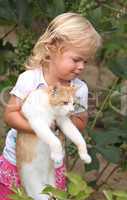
(81,97)
(24,84)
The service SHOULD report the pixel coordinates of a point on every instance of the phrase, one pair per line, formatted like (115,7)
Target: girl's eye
(80,60)
(85,61)
(76,60)
(65,102)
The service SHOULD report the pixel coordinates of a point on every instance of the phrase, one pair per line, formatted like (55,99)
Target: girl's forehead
(77,52)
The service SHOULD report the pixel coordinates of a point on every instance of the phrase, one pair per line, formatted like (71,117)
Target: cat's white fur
(40,114)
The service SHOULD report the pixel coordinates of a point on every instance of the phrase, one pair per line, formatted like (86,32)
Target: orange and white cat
(37,153)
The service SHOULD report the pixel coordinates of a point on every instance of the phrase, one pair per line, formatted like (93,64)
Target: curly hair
(65,29)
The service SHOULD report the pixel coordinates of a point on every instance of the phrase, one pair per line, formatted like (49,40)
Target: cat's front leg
(70,130)
(46,135)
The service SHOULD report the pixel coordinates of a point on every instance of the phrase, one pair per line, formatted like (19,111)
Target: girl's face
(67,65)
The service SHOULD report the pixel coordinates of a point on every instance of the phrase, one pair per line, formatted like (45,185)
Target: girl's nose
(81,66)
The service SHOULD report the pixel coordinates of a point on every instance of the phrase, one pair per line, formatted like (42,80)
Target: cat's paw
(42,197)
(57,157)
(85,157)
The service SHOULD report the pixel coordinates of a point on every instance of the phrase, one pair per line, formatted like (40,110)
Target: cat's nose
(72,109)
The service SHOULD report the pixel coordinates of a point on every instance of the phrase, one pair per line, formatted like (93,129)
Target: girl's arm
(13,116)
(80,120)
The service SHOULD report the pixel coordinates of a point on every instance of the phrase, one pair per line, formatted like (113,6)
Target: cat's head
(61,98)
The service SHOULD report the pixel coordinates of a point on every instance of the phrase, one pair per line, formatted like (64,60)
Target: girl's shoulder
(81,95)
(31,73)
(26,82)
(80,84)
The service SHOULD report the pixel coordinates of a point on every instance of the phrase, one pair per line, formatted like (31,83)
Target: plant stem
(102,172)
(11,30)
(109,176)
(111,8)
(74,162)
(104,103)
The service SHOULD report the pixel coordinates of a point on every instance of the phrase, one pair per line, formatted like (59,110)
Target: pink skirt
(60,178)
(4,192)
(8,178)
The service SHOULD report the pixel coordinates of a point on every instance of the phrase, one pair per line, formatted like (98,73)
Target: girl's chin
(70,77)
(74,75)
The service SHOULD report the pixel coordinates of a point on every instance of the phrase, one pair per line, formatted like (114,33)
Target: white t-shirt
(28,81)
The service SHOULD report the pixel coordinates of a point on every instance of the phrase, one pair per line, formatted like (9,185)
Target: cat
(37,153)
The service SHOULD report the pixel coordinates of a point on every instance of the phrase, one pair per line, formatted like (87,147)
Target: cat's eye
(65,102)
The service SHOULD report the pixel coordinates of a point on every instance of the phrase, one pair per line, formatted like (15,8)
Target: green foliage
(110,19)
(115,195)
(24,46)
(72,5)
(86,5)
(15,12)
(13,57)
(51,9)
(118,66)
(7,56)
(77,189)
(110,141)
(54,192)
(19,194)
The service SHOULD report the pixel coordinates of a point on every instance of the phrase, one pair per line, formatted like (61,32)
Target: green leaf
(94,165)
(121,198)
(83,195)
(73,189)
(23,10)
(77,180)
(108,195)
(61,195)
(48,189)
(105,138)
(19,194)
(118,66)
(52,8)
(111,153)
(120,194)
(7,15)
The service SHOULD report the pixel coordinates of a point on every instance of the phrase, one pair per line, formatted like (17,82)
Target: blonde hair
(67,28)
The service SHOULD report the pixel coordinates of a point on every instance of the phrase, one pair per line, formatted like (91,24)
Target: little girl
(59,56)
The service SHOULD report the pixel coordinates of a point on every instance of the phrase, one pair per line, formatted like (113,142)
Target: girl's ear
(51,48)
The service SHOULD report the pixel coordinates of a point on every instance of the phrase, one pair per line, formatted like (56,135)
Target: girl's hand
(80,120)
(13,116)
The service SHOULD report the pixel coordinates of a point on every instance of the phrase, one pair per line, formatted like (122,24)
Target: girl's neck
(52,80)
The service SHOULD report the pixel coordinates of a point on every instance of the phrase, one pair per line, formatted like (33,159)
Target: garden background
(21,23)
